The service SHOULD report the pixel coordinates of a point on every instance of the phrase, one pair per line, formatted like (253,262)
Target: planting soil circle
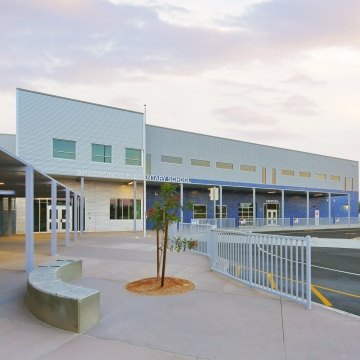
(151,286)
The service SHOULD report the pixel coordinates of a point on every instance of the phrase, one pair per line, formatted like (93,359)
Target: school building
(116,163)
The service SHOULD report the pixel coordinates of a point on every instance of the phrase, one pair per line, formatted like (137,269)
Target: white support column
(307,208)
(182,202)
(82,206)
(144,171)
(349,208)
(329,212)
(254,206)
(75,216)
(282,207)
(67,219)
(214,204)
(53,246)
(221,205)
(9,217)
(29,211)
(1,215)
(135,191)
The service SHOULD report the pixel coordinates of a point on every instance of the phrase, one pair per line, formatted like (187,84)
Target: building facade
(99,152)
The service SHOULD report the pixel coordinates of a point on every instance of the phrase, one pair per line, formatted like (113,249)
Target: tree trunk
(166,225)
(158,254)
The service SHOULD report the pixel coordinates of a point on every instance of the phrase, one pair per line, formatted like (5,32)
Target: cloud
(299,105)
(302,79)
(303,23)
(242,116)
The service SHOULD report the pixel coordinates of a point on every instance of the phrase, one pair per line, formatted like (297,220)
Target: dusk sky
(279,72)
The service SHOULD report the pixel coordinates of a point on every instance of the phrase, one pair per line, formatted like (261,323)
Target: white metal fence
(278,264)
(197,232)
(226,223)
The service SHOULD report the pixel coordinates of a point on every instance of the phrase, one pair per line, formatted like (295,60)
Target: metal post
(29,206)
(349,208)
(67,220)
(250,262)
(144,172)
(307,208)
(1,215)
(75,216)
(329,212)
(135,210)
(221,206)
(53,246)
(254,206)
(9,217)
(82,207)
(182,202)
(308,271)
(282,207)
(214,201)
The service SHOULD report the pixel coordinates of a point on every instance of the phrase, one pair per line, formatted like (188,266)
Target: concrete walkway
(221,319)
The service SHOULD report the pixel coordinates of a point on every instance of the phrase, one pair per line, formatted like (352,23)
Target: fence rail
(278,264)
(226,223)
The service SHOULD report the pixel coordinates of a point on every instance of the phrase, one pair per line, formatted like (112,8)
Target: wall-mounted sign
(272,201)
(109,174)
(172,179)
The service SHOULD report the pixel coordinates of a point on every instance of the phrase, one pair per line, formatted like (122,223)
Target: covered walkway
(19,179)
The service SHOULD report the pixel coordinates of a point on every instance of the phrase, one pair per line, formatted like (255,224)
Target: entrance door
(60,218)
(271,217)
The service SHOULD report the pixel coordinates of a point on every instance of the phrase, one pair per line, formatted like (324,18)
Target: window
(123,209)
(171,159)
(133,157)
(196,162)
(286,172)
(64,149)
(200,212)
(246,212)
(273,176)
(101,153)
(224,211)
(248,168)
(222,165)
(320,176)
(304,174)
(335,177)
(263,175)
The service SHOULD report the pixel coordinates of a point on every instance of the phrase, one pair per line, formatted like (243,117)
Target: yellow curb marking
(271,280)
(320,296)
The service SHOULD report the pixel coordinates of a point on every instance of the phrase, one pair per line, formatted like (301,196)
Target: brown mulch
(151,286)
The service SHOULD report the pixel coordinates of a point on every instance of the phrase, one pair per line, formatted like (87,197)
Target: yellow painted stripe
(320,296)
(271,280)
(338,292)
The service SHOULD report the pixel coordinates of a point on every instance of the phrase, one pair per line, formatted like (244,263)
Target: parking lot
(335,271)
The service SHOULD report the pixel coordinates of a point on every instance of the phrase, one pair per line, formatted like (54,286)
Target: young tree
(162,215)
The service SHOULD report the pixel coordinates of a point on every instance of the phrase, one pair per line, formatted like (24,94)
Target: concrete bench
(52,300)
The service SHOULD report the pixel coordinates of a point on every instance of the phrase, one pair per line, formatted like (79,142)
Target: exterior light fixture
(130,183)
(271,192)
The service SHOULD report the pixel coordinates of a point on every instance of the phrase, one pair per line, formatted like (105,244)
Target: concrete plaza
(221,319)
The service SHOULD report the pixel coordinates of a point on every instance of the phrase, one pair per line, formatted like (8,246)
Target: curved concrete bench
(52,300)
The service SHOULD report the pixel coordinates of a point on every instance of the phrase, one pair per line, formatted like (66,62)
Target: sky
(284,73)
